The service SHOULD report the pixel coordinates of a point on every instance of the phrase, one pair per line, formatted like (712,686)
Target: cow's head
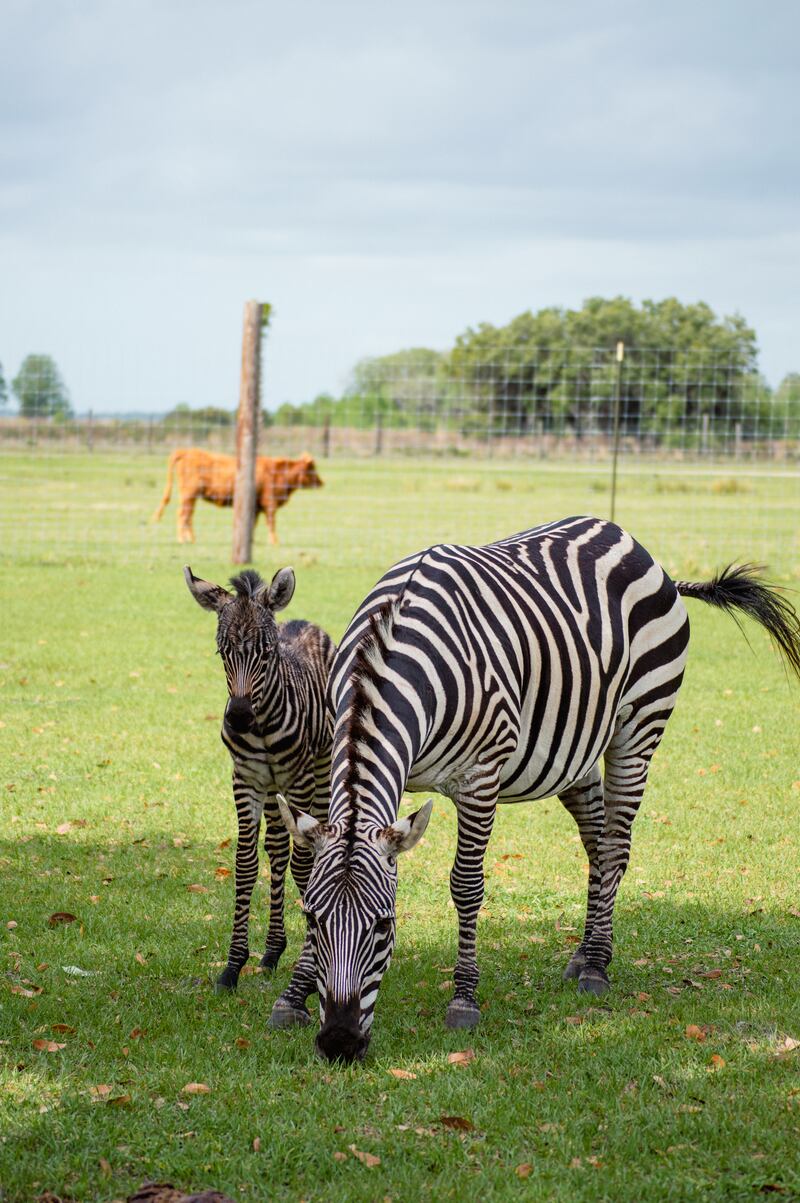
(247,634)
(308,477)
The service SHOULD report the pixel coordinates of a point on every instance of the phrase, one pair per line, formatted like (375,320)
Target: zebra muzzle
(239,715)
(341,1038)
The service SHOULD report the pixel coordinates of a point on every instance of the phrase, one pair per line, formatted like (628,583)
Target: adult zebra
(496,674)
(277,729)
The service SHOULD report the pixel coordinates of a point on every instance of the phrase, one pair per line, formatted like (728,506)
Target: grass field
(683,1084)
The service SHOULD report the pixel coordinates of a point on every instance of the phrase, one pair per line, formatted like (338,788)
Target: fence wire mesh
(442,450)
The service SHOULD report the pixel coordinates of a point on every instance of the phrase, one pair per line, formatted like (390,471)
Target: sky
(385,175)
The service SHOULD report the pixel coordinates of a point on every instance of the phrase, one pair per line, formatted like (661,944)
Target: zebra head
(350,907)
(246,635)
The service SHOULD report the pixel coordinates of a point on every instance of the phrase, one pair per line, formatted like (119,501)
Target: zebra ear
(403,834)
(281,589)
(304,830)
(210,597)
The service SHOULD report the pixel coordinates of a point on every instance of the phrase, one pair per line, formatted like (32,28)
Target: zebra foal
(277,729)
(496,674)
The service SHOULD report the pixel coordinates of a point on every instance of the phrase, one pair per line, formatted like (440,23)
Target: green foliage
(557,368)
(204,416)
(3,389)
(39,389)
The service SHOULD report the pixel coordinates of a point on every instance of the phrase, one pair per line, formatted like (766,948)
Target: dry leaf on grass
(458,1123)
(787,1045)
(48,1046)
(716,1062)
(461,1058)
(100,1092)
(221,872)
(403,1074)
(196,1088)
(694,1032)
(256,1144)
(25,993)
(62,1028)
(119,1100)
(339,1156)
(197,889)
(61,917)
(524,1170)
(140,959)
(368,1159)
(242,1042)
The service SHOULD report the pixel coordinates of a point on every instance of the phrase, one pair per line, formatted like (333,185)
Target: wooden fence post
(244,489)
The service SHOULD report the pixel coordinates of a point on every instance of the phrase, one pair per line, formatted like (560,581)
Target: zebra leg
(289,1009)
(475,821)
(276,846)
(584,801)
(248,814)
(624,781)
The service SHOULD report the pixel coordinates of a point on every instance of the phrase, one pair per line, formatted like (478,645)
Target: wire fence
(706,458)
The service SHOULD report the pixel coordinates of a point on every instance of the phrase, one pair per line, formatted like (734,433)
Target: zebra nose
(340,1037)
(239,715)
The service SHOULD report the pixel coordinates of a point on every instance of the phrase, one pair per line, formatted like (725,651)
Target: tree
(557,368)
(3,389)
(39,389)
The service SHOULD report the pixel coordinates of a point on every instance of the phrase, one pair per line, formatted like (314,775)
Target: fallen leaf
(25,993)
(693,1032)
(256,1144)
(196,1088)
(716,1062)
(524,1170)
(340,1156)
(404,1074)
(62,1028)
(787,1045)
(61,917)
(197,889)
(140,959)
(100,1092)
(119,1100)
(224,843)
(221,872)
(458,1123)
(461,1058)
(12,923)
(47,1046)
(242,1042)
(368,1159)
(574,1018)
(63,828)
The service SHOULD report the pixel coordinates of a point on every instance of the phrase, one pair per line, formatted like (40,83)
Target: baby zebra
(278,731)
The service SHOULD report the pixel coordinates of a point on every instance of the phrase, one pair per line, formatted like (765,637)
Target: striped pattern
(278,732)
(495,674)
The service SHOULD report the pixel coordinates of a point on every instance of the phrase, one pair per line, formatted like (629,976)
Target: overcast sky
(385,175)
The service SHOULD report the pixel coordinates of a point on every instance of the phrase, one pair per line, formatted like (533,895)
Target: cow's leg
(269,514)
(185,512)
(584,801)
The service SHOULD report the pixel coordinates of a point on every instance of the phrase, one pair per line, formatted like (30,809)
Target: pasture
(683,1083)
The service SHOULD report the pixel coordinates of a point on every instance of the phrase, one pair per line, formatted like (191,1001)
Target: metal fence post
(615,451)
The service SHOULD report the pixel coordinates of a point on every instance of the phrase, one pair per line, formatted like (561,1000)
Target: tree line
(557,370)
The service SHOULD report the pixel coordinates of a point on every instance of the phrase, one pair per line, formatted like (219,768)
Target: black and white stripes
(496,674)
(278,732)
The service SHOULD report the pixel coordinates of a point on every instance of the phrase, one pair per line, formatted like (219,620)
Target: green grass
(110,700)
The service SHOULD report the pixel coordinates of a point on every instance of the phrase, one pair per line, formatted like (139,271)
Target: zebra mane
(369,654)
(247,583)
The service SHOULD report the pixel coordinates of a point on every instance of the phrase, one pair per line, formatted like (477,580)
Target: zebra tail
(739,588)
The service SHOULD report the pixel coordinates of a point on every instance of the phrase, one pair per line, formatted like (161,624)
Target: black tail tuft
(739,588)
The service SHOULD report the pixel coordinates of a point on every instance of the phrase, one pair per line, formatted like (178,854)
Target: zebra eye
(383,926)
(311,920)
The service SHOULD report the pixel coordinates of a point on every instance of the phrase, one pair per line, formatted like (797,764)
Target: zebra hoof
(227,981)
(270,959)
(593,981)
(462,1014)
(574,967)
(284,1015)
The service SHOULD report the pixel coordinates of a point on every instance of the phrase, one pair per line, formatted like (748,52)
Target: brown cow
(211,476)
